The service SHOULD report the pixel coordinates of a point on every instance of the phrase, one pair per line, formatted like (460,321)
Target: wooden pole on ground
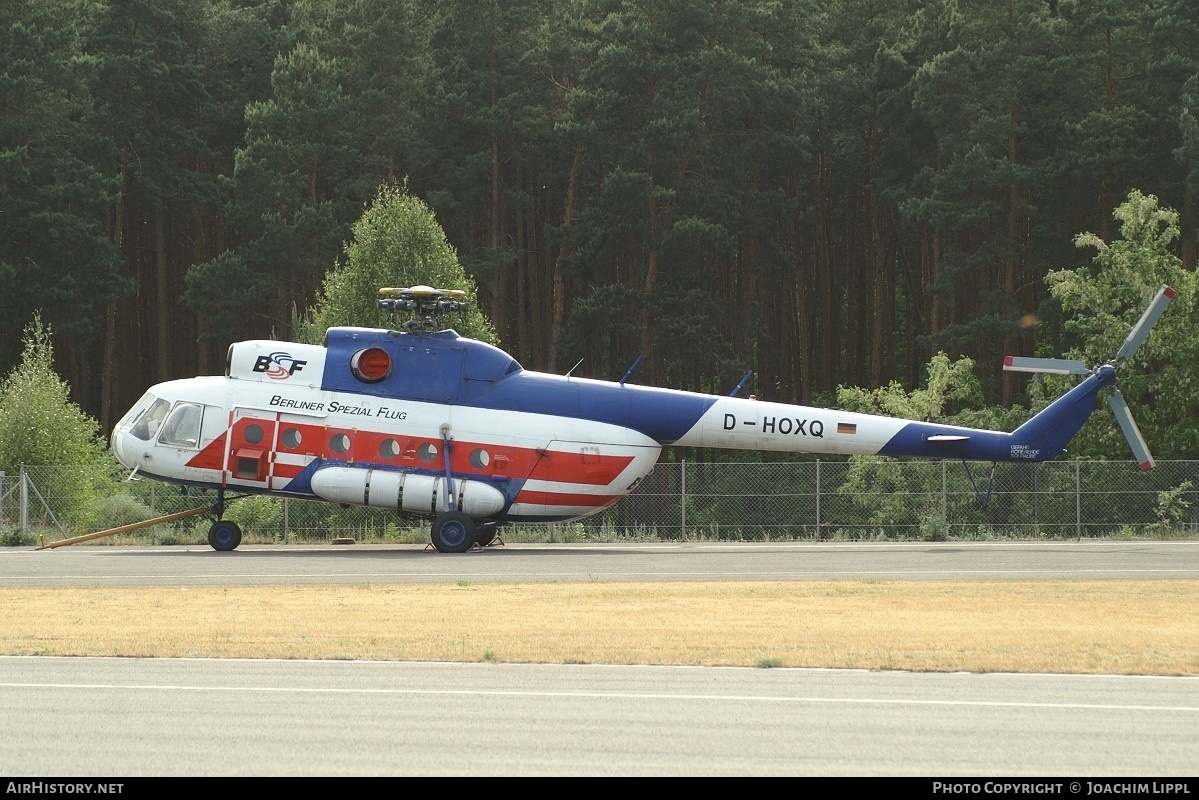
(114,531)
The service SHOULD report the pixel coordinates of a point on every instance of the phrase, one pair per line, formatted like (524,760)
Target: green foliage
(886,492)
(11,536)
(598,327)
(208,290)
(120,509)
(883,492)
(830,191)
(394,533)
(950,385)
(291,200)
(38,422)
(397,242)
(40,426)
(259,515)
(952,395)
(933,526)
(56,251)
(1172,508)
(1103,301)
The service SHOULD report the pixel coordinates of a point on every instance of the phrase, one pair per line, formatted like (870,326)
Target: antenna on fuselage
(630,370)
(740,385)
(424,304)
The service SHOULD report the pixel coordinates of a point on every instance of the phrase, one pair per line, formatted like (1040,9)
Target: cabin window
(390,448)
(182,428)
(480,458)
(427,452)
(253,433)
(292,438)
(340,443)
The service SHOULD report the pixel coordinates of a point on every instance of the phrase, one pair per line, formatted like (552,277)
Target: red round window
(371,365)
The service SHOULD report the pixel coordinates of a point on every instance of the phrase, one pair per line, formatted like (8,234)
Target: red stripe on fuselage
(287,471)
(380,448)
(212,456)
(566,499)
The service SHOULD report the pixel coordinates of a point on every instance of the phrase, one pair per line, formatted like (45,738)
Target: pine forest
(827,194)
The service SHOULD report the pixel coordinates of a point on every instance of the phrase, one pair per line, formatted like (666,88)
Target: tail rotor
(1132,343)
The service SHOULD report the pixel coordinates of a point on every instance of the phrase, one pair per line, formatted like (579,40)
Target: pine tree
(397,242)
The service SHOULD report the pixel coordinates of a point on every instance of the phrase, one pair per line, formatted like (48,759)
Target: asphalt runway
(121,719)
(84,564)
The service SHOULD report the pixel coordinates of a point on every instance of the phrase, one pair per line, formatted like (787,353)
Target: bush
(11,536)
(259,516)
(39,425)
(118,510)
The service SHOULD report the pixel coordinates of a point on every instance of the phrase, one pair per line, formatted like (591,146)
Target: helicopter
(425,422)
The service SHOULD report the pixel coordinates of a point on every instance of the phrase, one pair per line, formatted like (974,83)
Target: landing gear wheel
(224,535)
(453,532)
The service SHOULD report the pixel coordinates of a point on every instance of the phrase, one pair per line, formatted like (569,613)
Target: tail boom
(735,423)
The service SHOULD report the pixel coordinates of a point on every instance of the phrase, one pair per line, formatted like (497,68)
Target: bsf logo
(278,366)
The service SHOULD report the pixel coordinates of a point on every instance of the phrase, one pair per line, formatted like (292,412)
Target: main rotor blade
(1131,432)
(1140,331)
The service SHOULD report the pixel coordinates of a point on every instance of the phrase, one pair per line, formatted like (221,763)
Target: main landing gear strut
(454,531)
(224,534)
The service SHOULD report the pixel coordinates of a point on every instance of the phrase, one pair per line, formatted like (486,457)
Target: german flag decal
(846,427)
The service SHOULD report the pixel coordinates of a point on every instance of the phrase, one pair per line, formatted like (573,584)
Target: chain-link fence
(852,500)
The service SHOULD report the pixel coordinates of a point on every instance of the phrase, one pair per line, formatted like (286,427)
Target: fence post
(944,501)
(1077,500)
(683,498)
(818,536)
(24,499)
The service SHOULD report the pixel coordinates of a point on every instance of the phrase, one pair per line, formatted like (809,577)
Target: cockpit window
(182,428)
(147,425)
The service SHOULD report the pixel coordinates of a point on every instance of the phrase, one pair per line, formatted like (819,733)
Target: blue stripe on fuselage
(912,440)
(663,415)
(1039,439)
(446,368)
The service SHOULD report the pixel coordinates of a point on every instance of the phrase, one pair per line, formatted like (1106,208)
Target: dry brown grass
(1119,627)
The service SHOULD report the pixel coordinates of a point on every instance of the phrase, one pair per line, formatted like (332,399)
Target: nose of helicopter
(119,444)
(136,429)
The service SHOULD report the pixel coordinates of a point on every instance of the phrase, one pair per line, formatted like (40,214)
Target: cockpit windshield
(146,426)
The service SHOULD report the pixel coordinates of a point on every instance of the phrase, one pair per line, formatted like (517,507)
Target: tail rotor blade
(1053,366)
(1131,432)
(1140,331)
